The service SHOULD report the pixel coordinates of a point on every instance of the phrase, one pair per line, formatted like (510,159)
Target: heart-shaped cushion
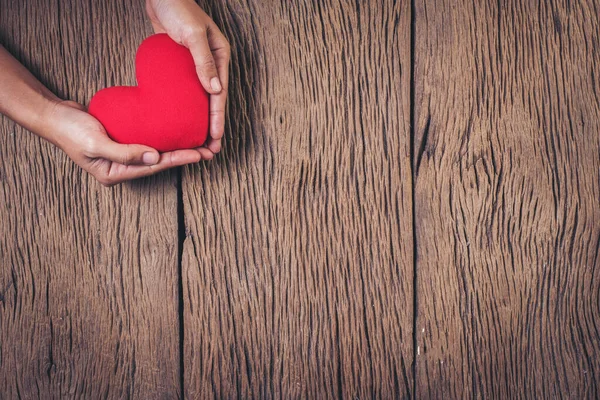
(168,110)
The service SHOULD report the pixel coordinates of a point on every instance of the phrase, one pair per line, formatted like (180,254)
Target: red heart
(168,110)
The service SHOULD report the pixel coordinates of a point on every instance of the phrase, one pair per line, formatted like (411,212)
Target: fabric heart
(168,110)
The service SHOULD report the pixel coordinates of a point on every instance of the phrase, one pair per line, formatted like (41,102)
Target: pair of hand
(83,137)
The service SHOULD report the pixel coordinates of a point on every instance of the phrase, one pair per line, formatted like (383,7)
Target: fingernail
(215,84)
(150,158)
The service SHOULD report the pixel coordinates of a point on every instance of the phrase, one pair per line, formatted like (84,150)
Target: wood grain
(507,199)
(298,256)
(88,276)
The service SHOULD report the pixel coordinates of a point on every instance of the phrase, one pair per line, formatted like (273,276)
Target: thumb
(127,154)
(206,67)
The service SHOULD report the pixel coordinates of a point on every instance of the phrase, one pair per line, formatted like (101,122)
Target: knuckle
(91,147)
(217,112)
(191,34)
(105,181)
(207,64)
(126,157)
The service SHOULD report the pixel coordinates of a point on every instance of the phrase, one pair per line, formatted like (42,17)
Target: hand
(187,24)
(85,141)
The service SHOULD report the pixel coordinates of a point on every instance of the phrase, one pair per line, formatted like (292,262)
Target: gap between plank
(181,223)
(414,181)
(180,240)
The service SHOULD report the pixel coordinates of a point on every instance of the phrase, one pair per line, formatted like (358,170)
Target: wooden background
(407,205)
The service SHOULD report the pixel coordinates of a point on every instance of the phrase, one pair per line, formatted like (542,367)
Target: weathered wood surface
(507,198)
(297,263)
(89,276)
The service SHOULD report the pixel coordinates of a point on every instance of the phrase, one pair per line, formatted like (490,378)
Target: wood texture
(298,255)
(297,263)
(88,277)
(507,199)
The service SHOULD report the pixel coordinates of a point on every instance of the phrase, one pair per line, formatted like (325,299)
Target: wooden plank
(297,263)
(507,198)
(88,277)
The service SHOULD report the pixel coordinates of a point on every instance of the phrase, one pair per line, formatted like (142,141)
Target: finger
(206,68)
(214,145)
(120,172)
(158,28)
(205,153)
(126,154)
(217,114)
(222,55)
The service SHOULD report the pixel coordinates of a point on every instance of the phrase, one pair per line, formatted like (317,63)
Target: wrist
(31,108)
(43,121)
(23,98)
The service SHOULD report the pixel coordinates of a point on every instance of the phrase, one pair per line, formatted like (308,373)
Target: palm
(108,161)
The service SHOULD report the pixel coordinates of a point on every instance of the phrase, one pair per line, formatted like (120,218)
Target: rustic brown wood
(297,262)
(88,277)
(507,198)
